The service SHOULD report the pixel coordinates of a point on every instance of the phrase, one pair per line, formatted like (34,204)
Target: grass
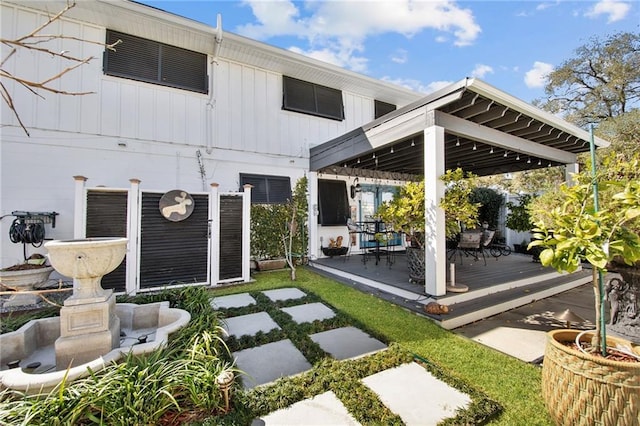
(512,383)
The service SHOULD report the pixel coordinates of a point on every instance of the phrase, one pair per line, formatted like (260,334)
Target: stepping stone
(284,294)
(266,363)
(416,395)
(309,313)
(347,342)
(323,409)
(232,301)
(249,325)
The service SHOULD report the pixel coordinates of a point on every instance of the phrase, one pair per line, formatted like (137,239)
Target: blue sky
(424,45)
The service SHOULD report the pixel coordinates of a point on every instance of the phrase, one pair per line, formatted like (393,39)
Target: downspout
(211,102)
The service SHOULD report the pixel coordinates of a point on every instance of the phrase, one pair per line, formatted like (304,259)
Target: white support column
(569,171)
(133,234)
(313,215)
(435,239)
(246,233)
(80,208)
(214,235)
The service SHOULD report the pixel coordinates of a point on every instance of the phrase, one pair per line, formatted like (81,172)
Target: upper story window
(153,62)
(308,98)
(383,108)
(267,189)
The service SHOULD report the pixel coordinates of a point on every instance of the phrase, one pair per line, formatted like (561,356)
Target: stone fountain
(92,329)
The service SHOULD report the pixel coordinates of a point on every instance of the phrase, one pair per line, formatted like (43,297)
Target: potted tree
(277,231)
(406,213)
(584,379)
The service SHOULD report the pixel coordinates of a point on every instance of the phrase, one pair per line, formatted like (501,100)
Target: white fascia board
(485,89)
(468,129)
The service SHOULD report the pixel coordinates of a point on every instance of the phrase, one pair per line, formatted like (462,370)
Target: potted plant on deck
(406,213)
(591,385)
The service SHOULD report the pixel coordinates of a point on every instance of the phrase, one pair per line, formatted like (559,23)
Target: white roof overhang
(487,131)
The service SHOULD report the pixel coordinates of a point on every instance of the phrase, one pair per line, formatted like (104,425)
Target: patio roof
(487,132)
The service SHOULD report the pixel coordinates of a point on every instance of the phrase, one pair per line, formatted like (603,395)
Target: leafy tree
(602,81)
(490,202)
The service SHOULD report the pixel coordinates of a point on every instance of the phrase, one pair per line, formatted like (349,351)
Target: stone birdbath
(89,326)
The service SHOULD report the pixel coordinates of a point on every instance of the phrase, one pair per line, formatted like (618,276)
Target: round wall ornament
(176,205)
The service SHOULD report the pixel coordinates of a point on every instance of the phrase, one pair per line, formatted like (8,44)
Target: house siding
(129,129)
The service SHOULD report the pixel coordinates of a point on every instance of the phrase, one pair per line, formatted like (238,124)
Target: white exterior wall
(129,129)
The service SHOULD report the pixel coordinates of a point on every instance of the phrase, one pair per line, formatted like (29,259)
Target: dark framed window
(333,204)
(308,98)
(267,189)
(383,108)
(145,60)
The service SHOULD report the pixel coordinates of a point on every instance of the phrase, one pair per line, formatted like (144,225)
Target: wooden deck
(503,284)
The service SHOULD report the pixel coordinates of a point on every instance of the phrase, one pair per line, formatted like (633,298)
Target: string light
(539,162)
(374,155)
(491,152)
(474,146)
(391,150)
(358,160)
(518,157)
(529,160)
(458,142)
(506,153)
(413,143)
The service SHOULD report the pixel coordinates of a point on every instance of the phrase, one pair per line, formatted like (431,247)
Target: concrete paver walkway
(401,389)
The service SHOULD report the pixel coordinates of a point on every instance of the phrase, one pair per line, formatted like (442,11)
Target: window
(153,62)
(333,203)
(383,108)
(308,98)
(267,189)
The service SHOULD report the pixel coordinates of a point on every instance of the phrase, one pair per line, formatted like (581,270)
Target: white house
(180,105)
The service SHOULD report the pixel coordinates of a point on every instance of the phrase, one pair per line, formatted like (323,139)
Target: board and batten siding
(247,116)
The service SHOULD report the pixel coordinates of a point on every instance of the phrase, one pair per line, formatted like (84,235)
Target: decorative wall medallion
(176,205)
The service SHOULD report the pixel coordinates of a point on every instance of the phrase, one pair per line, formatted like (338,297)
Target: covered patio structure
(470,125)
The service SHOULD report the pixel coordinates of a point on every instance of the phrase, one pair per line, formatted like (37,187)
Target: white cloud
(416,85)
(343,26)
(343,59)
(400,56)
(615,9)
(481,70)
(537,76)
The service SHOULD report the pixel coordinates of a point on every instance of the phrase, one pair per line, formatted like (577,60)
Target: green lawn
(512,383)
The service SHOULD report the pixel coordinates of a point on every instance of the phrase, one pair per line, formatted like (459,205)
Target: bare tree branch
(34,42)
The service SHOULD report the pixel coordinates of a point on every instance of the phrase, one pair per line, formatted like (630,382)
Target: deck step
(469,311)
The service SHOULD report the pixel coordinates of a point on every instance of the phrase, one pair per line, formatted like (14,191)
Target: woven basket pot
(581,389)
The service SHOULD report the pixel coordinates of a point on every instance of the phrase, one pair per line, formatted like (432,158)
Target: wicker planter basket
(581,389)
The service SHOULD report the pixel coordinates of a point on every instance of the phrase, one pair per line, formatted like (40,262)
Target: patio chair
(470,244)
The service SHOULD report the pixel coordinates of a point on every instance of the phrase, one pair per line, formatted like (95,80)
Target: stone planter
(24,280)
(271,264)
(581,389)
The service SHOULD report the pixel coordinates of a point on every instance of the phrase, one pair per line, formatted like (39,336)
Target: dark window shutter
(383,108)
(333,203)
(267,189)
(308,98)
(181,68)
(298,95)
(153,62)
(329,102)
